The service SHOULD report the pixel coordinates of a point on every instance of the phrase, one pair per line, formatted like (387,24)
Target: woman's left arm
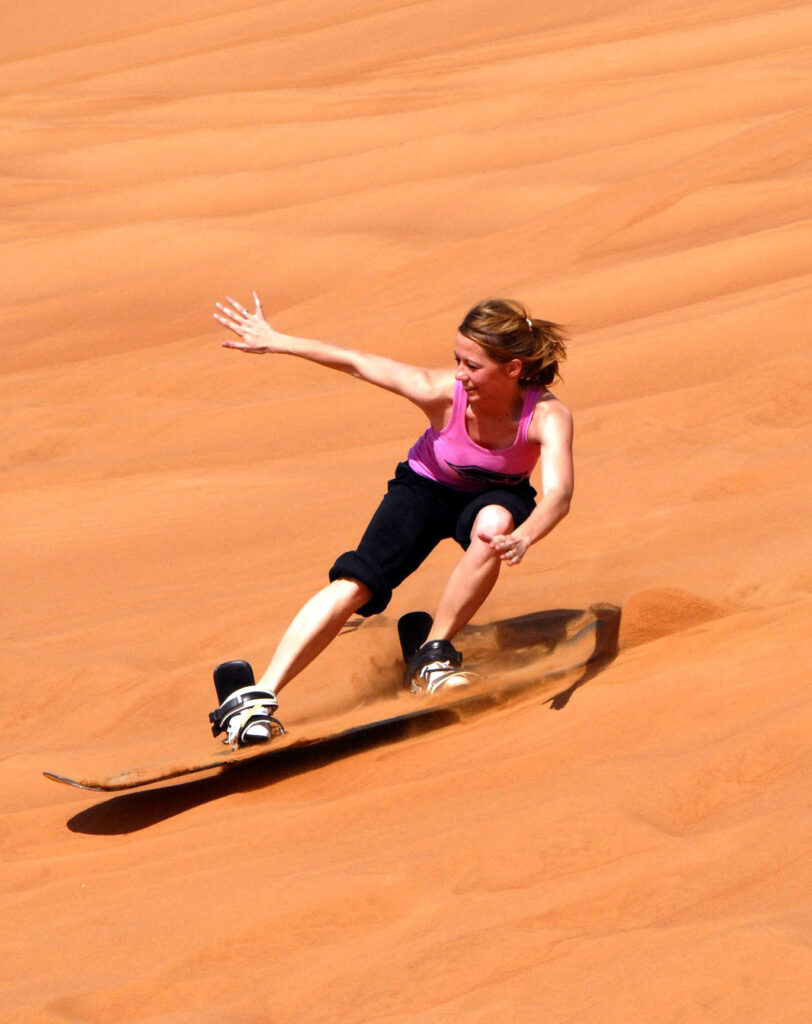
(557,482)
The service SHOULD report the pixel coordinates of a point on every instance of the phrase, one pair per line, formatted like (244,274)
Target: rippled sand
(625,844)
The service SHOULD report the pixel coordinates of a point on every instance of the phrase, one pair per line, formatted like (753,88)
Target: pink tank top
(450,457)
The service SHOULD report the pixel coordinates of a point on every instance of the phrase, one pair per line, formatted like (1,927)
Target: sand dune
(628,845)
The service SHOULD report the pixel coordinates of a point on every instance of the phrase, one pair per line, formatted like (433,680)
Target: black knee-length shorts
(414,516)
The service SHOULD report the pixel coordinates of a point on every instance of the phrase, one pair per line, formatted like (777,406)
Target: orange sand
(639,171)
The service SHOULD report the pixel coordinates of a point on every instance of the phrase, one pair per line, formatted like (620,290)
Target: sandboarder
(491,418)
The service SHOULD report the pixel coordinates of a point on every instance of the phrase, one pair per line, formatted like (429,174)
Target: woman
(490,421)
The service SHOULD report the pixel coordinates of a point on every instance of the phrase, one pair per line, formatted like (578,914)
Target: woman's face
(479,374)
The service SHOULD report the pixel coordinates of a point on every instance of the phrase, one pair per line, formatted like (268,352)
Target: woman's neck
(500,408)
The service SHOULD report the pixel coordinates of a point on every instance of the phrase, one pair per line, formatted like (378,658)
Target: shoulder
(552,421)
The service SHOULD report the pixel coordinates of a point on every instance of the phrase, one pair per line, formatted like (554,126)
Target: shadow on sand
(540,650)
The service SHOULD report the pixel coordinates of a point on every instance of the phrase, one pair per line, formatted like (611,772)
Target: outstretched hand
(256,333)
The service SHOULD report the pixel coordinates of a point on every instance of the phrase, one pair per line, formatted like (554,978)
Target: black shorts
(414,516)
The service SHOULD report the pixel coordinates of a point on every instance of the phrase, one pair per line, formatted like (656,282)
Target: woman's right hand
(253,329)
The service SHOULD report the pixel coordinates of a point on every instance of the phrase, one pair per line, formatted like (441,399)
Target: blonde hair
(504,329)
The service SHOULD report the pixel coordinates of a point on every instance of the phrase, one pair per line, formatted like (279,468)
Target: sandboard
(585,643)
(135,777)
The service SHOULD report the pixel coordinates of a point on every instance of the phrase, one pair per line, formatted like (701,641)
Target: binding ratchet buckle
(246,717)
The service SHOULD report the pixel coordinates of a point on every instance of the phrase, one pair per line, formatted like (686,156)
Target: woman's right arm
(427,388)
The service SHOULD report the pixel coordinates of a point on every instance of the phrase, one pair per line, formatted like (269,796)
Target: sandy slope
(635,851)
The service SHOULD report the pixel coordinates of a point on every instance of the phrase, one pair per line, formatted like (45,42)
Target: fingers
(229,318)
(255,333)
(235,316)
(510,549)
(498,541)
(238,306)
(250,349)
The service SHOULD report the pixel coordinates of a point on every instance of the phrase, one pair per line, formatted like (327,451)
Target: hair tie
(529,322)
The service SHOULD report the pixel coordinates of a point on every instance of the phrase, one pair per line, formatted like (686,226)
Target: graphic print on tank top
(486,476)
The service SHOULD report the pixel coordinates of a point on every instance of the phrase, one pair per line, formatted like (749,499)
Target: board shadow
(134,811)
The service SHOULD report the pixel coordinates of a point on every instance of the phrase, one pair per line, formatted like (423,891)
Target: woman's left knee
(492,520)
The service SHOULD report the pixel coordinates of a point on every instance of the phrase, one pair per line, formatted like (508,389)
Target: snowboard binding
(245,713)
(437,665)
(432,666)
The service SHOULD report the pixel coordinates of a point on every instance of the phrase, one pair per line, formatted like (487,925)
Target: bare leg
(474,577)
(317,623)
